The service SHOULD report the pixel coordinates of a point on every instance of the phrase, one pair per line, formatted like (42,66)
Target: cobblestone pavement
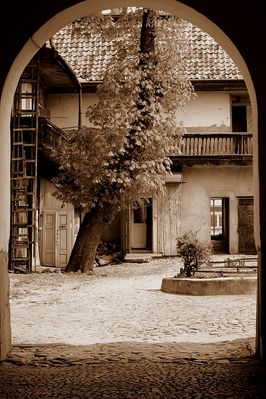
(134,370)
(115,335)
(123,303)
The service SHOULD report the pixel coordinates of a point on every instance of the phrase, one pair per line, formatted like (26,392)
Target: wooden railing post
(215,144)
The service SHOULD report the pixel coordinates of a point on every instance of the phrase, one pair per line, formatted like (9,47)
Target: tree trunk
(83,253)
(88,238)
(148,33)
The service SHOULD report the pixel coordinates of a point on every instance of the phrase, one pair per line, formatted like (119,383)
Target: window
(142,210)
(26,96)
(140,215)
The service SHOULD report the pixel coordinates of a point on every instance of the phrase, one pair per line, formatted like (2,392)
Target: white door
(139,228)
(141,218)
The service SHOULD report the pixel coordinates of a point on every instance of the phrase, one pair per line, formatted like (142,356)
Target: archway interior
(68,15)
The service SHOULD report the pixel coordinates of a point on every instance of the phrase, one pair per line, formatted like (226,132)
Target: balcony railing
(195,146)
(50,135)
(217,144)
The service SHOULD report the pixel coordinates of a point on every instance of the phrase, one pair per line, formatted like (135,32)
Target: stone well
(210,286)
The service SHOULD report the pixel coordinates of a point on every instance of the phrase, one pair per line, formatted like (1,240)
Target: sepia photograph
(132,188)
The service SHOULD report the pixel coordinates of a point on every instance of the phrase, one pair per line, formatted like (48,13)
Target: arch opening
(36,42)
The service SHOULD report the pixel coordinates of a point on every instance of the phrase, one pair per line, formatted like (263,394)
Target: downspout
(80,107)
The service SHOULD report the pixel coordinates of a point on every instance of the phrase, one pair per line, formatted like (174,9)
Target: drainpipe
(80,107)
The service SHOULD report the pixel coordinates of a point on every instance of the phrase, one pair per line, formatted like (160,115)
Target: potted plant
(193,253)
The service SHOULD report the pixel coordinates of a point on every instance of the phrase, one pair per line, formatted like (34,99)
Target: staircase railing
(50,135)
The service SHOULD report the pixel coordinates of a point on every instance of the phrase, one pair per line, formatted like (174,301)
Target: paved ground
(134,370)
(123,303)
(137,341)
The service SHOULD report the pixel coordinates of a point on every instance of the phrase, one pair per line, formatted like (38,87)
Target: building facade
(210,190)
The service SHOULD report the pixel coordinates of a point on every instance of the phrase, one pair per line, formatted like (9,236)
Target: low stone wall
(210,286)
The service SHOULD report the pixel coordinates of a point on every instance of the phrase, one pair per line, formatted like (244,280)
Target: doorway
(142,226)
(56,238)
(246,242)
(219,208)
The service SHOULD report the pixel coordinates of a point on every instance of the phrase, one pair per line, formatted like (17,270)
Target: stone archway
(38,38)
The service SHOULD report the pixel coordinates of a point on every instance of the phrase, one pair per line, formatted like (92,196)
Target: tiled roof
(208,60)
(89,57)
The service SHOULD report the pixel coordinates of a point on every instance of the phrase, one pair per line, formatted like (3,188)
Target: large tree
(125,153)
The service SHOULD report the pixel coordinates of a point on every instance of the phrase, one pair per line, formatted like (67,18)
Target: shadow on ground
(134,370)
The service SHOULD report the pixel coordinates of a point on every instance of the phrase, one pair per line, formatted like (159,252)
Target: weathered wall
(112,232)
(208,112)
(48,200)
(63,109)
(5,327)
(203,182)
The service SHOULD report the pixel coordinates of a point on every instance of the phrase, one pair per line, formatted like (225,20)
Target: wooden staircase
(24,152)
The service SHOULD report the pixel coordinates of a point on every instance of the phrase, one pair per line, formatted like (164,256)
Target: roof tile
(89,57)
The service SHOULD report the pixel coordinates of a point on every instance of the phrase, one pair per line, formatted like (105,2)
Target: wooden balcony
(215,148)
(50,138)
(50,135)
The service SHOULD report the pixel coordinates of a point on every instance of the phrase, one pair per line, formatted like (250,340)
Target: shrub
(193,252)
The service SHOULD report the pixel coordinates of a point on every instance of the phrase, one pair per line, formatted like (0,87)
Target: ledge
(210,286)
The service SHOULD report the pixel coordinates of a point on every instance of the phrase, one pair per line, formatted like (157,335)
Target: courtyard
(122,303)
(113,334)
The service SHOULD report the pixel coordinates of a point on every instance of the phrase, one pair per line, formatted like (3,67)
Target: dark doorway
(219,209)
(246,242)
(239,118)
(142,226)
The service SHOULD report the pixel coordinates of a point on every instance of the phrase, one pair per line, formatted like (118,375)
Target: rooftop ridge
(89,57)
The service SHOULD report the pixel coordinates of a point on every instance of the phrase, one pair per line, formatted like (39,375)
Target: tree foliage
(133,126)
(124,150)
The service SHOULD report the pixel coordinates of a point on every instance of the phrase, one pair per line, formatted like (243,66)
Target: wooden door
(63,238)
(246,242)
(56,238)
(48,238)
